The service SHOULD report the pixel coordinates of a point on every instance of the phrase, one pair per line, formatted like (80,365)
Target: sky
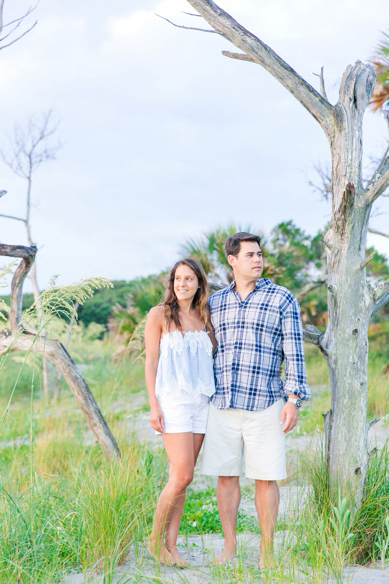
(163,138)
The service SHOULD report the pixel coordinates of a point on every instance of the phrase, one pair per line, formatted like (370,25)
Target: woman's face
(186,283)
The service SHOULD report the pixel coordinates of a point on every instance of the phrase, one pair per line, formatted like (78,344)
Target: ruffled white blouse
(185,363)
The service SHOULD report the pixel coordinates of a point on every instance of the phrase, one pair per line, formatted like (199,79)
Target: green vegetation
(64,508)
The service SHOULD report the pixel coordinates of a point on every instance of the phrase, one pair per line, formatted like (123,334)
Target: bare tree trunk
(18,339)
(57,388)
(351,300)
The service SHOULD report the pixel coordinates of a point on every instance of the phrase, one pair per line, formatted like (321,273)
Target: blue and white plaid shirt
(254,336)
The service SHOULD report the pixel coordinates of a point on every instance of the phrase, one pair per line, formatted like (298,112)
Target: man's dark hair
(233,242)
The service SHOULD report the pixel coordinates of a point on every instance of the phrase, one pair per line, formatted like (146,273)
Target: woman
(179,377)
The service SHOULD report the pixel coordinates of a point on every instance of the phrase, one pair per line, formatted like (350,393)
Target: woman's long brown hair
(199,301)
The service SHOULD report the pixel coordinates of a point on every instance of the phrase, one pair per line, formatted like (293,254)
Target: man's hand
(289,416)
(157,420)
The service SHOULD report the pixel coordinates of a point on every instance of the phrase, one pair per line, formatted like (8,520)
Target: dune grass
(64,508)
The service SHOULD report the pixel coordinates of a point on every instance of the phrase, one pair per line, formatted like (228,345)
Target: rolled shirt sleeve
(293,348)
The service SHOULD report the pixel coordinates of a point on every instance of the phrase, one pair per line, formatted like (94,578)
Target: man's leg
(228,498)
(267,500)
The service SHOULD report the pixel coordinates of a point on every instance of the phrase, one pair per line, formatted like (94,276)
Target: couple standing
(239,401)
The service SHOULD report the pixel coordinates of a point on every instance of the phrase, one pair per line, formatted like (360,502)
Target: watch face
(298,403)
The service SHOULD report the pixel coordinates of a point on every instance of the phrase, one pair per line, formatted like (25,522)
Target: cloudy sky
(163,138)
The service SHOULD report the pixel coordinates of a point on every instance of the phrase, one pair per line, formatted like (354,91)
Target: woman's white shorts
(257,435)
(184,412)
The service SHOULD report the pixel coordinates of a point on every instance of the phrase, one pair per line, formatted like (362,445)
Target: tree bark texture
(351,300)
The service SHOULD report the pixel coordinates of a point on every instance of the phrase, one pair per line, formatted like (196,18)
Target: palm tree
(381,66)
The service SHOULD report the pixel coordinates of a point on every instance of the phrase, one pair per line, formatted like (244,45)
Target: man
(257,325)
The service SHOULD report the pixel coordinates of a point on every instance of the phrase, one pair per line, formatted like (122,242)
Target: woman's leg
(173,526)
(179,448)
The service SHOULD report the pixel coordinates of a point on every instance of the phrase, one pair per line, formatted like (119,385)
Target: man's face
(249,262)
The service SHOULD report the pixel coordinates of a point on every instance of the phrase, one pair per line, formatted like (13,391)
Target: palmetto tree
(209,251)
(381,66)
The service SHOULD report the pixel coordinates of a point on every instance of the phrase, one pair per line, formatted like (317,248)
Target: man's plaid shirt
(254,337)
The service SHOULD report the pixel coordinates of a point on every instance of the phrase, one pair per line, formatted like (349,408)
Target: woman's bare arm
(153,331)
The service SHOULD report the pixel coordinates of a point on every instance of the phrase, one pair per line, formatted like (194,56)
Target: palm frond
(380,62)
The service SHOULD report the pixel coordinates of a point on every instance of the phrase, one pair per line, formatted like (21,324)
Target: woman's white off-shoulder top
(185,363)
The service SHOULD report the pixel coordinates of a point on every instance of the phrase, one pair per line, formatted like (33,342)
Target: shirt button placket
(236,354)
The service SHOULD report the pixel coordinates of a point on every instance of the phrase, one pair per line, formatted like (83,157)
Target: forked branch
(263,55)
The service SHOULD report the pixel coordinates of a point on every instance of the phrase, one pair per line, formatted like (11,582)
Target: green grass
(201,515)
(64,508)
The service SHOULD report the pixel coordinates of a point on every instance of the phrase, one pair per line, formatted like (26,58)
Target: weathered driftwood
(351,300)
(21,339)
(57,354)
(28,255)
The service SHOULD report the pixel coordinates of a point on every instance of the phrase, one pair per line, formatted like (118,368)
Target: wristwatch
(295,401)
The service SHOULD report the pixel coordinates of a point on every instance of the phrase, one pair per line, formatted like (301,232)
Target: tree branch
(380,296)
(377,232)
(314,336)
(230,29)
(322,84)
(186,27)
(19,37)
(308,288)
(367,260)
(28,256)
(12,217)
(377,185)
(56,353)
(17,290)
(238,56)
(17,251)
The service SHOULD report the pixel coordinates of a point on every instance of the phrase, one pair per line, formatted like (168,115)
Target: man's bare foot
(227,555)
(180,561)
(160,553)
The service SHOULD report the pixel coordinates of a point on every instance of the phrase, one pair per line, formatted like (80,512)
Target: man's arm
(295,385)
(293,348)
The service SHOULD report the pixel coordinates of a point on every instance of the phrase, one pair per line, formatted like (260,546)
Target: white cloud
(163,137)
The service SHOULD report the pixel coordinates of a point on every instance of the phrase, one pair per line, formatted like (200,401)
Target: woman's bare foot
(161,554)
(226,556)
(180,561)
(266,562)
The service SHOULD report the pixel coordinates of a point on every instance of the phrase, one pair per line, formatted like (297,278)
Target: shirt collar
(261,283)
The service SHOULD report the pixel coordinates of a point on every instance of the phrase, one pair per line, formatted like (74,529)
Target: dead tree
(352,301)
(19,338)
(31,146)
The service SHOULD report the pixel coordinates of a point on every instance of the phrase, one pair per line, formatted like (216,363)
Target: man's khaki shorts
(232,434)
